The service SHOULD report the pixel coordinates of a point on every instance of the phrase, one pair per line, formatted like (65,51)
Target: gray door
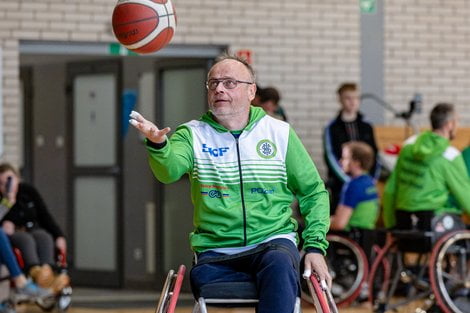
(181,97)
(95,173)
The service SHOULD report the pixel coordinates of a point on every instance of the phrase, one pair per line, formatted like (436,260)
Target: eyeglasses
(228,83)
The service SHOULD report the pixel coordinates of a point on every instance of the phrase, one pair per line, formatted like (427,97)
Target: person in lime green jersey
(466,158)
(428,171)
(245,169)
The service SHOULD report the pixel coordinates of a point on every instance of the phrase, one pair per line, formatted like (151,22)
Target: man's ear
(252,92)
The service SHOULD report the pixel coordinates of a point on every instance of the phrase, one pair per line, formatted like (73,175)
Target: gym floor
(85,300)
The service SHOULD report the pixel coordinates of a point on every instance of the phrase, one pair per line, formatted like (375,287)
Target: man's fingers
(307,273)
(165,131)
(137,116)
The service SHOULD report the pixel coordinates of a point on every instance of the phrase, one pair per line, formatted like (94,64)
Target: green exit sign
(368,6)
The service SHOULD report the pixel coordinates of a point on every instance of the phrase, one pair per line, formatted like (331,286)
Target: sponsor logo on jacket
(215,152)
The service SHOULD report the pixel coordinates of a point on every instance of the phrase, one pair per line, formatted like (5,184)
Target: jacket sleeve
(331,159)
(175,159)
(388,201)
(305,182)
(459,182)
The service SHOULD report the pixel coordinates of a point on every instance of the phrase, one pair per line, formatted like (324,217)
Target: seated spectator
(32,229)
(428,171)
(256,100)
(24,289)
(358,207)
(269,98)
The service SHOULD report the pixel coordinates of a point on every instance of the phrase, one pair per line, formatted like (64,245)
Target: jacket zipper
(242,193)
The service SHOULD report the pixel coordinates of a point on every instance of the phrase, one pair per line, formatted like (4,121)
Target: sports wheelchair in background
(235,294)
(60,301)
(429,268)
(349,265)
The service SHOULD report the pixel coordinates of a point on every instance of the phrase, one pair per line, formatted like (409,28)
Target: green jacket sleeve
(175,159)
(305,182)
(388,201)
(459,182)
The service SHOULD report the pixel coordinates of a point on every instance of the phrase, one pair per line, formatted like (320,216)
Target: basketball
(144,26)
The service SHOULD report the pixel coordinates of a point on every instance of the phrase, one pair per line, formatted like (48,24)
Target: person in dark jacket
(349,125)
(31,228)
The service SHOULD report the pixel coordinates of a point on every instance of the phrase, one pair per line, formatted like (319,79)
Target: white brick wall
(304,47)
(427,50)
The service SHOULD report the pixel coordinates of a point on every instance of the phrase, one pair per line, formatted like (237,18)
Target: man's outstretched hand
(147,128)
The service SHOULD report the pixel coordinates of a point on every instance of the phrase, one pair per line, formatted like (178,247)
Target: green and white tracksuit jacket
(429,173)
(242,188)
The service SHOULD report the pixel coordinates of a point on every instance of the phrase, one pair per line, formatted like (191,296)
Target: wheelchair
(235,294)
(61,301)
(425,268)
(348,264)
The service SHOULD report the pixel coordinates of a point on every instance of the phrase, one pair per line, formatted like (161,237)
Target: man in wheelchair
(428,170)
(358,208)
(423,201)
(245,169)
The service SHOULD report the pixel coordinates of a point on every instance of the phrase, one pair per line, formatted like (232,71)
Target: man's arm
(388,201)
(169,159)
(340,220)
(459,182)
(331,159)
(303,179)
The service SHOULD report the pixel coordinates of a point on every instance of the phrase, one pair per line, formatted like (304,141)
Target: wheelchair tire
(348,267)
(449,269)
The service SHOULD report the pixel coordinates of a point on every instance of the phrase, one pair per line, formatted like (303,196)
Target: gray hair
(228,56)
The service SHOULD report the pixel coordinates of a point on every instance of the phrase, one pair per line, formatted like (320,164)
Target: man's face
(269,106)
(349,100)
(453,128)
(225,102)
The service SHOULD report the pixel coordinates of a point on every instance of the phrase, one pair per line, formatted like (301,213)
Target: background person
(349,125)
(253,166)
(428,170)
(466,158)
(24,289)
(269,99)
(32,229)
(358,208)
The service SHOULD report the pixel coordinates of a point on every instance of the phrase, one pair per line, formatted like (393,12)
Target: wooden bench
(387,135)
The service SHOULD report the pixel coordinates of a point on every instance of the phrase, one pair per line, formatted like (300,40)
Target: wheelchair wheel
(450,272)
(397,281)
(348,267)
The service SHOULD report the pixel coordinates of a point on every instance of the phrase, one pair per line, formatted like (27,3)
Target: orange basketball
(144,26)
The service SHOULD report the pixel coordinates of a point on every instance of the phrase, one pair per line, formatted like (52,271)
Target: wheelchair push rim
(449,269)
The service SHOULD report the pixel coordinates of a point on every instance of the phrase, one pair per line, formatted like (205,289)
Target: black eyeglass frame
(223,81)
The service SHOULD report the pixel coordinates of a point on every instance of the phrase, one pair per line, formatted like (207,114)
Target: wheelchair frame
(354,262)
(62,300)
(171,289)
(427,278)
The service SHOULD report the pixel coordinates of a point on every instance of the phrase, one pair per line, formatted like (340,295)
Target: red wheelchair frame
(320,293)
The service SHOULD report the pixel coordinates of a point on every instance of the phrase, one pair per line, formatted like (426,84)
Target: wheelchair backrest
(445,223)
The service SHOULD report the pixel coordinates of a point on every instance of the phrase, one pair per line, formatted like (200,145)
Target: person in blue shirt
(358,208)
